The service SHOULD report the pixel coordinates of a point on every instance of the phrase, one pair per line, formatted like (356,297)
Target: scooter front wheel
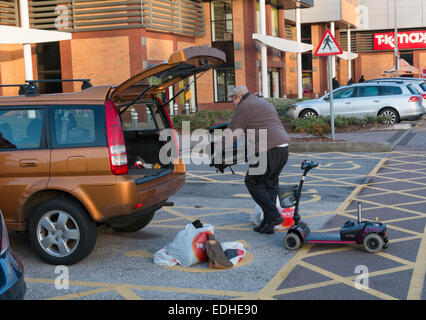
(292,241)
(372,243)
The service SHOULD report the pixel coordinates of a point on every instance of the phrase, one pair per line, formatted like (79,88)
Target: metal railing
(9,13)
(184,17)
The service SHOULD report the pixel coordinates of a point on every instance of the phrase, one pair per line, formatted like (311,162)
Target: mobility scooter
(370,235)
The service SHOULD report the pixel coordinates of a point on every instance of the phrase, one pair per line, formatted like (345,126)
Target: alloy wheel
(58,233)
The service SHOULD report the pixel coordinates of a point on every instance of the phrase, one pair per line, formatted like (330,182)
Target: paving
(390,185)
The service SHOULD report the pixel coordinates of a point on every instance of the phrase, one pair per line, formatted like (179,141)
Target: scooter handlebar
(308,165)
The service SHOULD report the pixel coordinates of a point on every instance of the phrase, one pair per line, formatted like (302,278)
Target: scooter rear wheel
(372,243)
(292,241)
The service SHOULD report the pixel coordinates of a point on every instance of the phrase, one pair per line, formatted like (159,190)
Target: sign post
(328,46)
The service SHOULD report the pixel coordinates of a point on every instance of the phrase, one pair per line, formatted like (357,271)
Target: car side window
(423,86)
(390,90)
(344,93)
(77,126)
(369,91)
(21,129)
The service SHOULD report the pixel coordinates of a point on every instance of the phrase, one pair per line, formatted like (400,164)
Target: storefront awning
(16,35)
(403,66)
(283,44)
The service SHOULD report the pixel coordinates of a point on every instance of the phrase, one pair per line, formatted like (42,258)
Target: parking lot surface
(391,187)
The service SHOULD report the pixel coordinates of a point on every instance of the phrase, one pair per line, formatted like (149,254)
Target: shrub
(317,126)
(202,119)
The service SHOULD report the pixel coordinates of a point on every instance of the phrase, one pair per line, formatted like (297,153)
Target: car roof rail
(381,81)
(30,88)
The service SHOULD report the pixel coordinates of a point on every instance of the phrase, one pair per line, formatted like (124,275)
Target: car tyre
(308,113)
(292,241)
(372,243)
(392,113)
(61,232)
(137,225)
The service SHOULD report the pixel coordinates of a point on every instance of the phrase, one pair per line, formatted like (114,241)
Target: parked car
(73,161)
(418,83)
(12,283)
(399,101)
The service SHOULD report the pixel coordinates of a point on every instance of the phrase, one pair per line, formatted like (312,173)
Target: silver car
(399,101)
(418,83)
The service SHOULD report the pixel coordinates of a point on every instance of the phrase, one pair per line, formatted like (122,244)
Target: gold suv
(70,162)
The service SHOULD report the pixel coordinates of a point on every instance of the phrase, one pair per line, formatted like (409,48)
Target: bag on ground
(187,248)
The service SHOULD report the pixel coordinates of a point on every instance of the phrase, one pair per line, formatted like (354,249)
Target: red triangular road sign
(328,45)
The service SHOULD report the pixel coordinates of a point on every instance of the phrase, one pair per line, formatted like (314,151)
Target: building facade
(113,40)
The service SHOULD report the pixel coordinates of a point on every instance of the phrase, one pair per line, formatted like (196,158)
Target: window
(21,129)
(368,91)
(221,13)
(224,84)
(49,66)
(387,91)
(412,89)
(222,38)
(77,126)
(344,93)
(423,86)
(138,117)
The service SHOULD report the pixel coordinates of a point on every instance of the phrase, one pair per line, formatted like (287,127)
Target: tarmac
(408,135)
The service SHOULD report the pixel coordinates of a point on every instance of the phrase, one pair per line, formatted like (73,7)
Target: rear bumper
(12,283)
(411,111)
(131,198)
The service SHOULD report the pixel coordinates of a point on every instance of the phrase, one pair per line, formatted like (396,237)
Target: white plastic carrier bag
(234,251)
(187,248)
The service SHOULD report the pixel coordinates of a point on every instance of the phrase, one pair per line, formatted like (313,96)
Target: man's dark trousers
(264,188)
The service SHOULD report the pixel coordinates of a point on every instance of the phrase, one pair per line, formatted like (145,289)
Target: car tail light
(4,236)
(424,95)
(115,137)
(414,99)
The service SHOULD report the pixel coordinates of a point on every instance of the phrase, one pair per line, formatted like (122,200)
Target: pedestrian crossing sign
(328,45)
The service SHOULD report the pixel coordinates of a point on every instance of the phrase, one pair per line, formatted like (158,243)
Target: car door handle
(376,100)
(28,163)
(348,102)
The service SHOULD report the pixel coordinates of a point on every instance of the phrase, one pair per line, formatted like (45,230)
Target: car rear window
(139,117)
(77,126)
(390,90)
(21,129)
(412,89)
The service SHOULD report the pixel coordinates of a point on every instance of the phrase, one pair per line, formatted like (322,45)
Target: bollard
(175,109)
(187,107)
(149,118)
(134,117)
(316,95)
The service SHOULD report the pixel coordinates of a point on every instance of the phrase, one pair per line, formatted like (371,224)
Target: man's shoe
(260,227)
(268,229)
(276,221)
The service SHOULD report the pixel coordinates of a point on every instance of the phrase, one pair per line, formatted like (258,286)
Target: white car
(399,101)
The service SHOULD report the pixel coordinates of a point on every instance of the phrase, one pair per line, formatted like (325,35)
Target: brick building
(113,40)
